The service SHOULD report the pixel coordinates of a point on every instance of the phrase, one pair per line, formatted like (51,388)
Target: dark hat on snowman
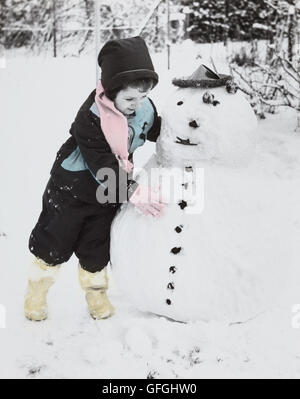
(203,77)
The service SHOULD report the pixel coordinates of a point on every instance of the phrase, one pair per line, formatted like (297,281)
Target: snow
(131,344)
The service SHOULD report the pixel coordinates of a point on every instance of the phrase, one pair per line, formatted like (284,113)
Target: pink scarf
(114,126)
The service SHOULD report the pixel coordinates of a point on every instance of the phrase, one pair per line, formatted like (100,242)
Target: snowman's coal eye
(231,87)
(208,97)
(180,103)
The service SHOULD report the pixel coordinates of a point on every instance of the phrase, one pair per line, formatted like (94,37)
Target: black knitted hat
(203,77)
(123,60)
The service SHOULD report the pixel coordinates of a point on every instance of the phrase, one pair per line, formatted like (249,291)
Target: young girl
(115,119)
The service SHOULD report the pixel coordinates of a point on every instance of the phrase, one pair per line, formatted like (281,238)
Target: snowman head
(206,120)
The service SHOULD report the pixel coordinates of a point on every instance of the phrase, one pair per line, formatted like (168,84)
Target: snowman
(199,259)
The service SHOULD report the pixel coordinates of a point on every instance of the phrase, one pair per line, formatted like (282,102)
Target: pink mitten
(148,200)
(125,164)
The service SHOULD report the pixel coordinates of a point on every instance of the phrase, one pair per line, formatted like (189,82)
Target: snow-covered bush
(269,85)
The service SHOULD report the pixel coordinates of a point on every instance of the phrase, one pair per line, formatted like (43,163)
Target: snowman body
(198,261)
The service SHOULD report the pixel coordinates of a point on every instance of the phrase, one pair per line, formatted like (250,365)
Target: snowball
(225,132)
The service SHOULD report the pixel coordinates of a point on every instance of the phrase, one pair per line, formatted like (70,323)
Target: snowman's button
(168,301)
(175,250)
(171,286)
(185,185)
(142,136)
(180,103)
(178,229)
(172,269)
(182,204)
(188,168)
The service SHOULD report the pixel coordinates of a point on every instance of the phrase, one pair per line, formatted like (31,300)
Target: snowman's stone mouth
(183,141)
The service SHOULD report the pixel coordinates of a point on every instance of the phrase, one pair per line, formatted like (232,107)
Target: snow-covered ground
(38,101)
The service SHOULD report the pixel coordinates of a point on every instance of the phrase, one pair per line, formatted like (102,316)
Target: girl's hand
(148,200)
(125,164)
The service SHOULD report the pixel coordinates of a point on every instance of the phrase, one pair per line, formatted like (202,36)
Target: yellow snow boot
(41,278)
(95,286)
